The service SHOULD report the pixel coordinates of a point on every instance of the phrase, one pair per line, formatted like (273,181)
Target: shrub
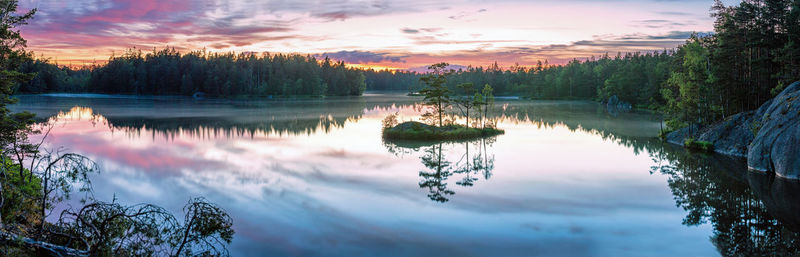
(692,144)
(390,121)
(413,130)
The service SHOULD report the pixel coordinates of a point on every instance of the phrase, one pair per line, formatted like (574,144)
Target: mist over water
(312,177)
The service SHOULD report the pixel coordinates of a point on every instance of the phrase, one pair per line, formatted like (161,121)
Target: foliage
(693,144)
(33,180)
(437,95)
(12,126)
(390,121)
(662,134)
(112,229)
(51,77)
(413,130)
(167,72)
(393,80)
(486,99)
(20,198)
(754,50)
(689,91)
(466,101)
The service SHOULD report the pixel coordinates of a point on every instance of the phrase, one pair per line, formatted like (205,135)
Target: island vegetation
(36,181)
(440,121)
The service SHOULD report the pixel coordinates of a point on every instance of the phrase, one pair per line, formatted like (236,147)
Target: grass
(664,132)
(692,144)
(413,130)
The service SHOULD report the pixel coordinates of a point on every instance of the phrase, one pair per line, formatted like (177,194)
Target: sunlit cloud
(399,34)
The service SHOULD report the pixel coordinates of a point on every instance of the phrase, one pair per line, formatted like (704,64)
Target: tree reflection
(465,161)
(752,214)
(435,180)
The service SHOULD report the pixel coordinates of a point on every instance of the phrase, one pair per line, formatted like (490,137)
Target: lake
(312,177)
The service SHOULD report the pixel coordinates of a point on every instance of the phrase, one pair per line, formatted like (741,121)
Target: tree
(436,180)
(488,101)
(689,91)
(34,180)
(466,101)
(112,229)
(12,55)
(437,95)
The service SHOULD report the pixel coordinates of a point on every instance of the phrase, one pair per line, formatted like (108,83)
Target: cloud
(93,29)
(362,57)
(676,35)
(466,15)
(672,35)
(424,69)
(660,23)
(553,53)
(410,31)
(675,13)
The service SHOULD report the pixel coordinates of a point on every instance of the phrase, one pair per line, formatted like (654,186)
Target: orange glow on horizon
(372,66)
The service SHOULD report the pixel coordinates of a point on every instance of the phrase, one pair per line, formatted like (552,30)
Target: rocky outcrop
(614,106)
(768,137)
(679,136)
(776,146)
(730,137)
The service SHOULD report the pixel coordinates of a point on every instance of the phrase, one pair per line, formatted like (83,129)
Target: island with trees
(441,124)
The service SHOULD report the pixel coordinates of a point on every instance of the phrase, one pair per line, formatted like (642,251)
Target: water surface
(312,177)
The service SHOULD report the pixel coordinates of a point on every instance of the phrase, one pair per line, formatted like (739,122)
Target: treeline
(53,78)
(753,54)
(392,80)
(167,72)
(633,77)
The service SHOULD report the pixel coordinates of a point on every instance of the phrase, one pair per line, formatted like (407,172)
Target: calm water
(314,178)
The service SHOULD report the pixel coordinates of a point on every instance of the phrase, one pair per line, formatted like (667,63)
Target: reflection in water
(435,180)
(752,214)
(312,177)
(173,117)
(469,165)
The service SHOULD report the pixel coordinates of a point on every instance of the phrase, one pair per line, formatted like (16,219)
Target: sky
(381,34)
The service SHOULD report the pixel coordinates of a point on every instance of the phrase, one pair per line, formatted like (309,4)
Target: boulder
(679,136)
(730,137)
(768,137)
(614,106)
(776,147)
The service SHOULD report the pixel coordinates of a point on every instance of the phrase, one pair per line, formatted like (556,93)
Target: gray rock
(776,146)
(730,137)
(679,136)
(769,137)
(614,106)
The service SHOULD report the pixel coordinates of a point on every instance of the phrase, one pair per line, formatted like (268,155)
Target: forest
(168,72)
(752,54)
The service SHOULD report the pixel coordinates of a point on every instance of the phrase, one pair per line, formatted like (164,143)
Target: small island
(414,130)
(439,124)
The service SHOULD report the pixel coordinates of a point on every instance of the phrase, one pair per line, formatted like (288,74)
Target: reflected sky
(567,181)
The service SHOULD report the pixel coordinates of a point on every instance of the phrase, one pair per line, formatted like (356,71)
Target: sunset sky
(399,34)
